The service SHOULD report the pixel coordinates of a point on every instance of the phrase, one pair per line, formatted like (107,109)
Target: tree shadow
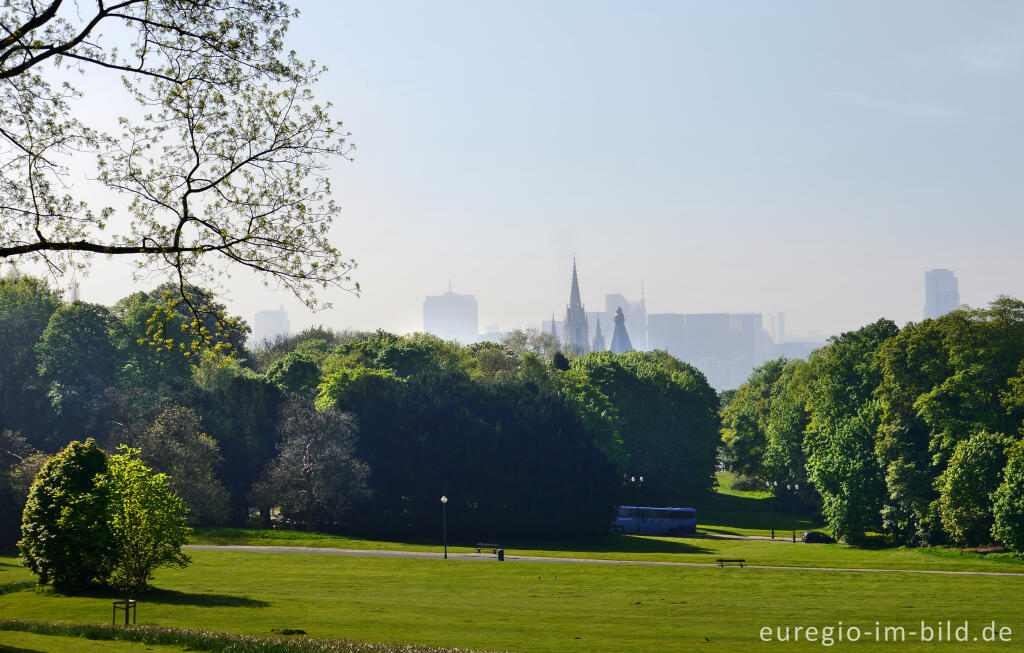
(16,649)
(16,587)
(174,597)
(155,595)
(615,544)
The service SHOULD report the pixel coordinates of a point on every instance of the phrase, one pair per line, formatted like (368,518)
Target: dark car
(817,537)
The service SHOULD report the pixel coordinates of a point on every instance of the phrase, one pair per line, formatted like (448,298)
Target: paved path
(589,561)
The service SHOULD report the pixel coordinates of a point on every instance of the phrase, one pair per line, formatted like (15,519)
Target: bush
(1008,502)
(975,471)
(65,538)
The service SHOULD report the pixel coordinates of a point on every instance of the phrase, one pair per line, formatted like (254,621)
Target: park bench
(732,561)
(480,546)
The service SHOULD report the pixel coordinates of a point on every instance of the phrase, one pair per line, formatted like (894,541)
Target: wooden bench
(480,546)
(733,561)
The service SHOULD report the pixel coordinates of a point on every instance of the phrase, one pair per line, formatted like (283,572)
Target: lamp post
(792,506)
(444,524)
(770,487)
(636,481)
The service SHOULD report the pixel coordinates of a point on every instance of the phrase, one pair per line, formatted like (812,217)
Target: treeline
(348,432)
(914,433)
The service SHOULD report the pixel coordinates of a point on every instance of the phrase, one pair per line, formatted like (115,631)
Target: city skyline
(880,148)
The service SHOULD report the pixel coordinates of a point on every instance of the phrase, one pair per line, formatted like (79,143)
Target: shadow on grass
(613,544)
(167,597)
(174,597)
(15,649)
(17,587)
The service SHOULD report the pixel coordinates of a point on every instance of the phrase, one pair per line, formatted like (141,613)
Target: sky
(814,158)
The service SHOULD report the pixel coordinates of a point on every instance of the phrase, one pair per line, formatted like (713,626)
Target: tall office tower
(724,346)
(941,293)
(598,337)
(620,338)
(451,316)
(665,332)
(576,331)
(267,326)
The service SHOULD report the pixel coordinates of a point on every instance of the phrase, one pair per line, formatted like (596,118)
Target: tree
(315,478)
(243,147)
(532,341)
(77,360)
(146,521)
(65,537)
(1008,502)
(176,445)
(295,373)
(26,305)
(745,421)
(975,471)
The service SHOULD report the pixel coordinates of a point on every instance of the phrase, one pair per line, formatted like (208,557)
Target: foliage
(146,521)
(77,360)
(315,479)
(176,445)
(26,305)
(65,538)
(252,191)
(1008,502)
(666,416)
(745,421)
(531,341)
(295,373)
(512,458)
(975,471)
(840,436)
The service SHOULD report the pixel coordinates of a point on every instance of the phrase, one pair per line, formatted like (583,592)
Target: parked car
(817,537)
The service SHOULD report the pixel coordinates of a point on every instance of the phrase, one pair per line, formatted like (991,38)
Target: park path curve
(589,561)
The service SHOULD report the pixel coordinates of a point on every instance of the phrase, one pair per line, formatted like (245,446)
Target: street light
(636,506)
(769,487)
(444,524)
(792,506)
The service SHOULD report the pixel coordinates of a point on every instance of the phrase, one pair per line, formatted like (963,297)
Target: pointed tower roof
(620,339)
(598,336)
(554,330)
(574,291)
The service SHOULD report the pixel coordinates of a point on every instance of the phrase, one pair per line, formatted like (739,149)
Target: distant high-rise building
(724,346)
(268,325)
(665,332)
(451,316)
(576,336)
(941,293)
(620,338)
(598,337)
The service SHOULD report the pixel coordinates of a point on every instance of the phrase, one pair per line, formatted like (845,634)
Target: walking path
(589,561)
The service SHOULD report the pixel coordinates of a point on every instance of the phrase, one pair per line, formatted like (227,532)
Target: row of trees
(912,432)
(355,431)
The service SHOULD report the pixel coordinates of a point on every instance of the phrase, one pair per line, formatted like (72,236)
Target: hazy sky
(808,157)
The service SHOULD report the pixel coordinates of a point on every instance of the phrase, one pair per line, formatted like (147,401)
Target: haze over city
(809,158)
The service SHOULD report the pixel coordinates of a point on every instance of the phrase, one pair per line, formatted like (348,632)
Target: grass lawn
(661,549)
(14,642)
(527,606)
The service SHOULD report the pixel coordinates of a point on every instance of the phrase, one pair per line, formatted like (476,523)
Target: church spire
(598,337)
(554,330)
(576,331)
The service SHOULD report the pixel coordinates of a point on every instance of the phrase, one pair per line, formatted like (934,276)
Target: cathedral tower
(620,339)
(576,330)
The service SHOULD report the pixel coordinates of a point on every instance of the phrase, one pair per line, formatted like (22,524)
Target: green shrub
(65,537)
(975,471)
(1008,502)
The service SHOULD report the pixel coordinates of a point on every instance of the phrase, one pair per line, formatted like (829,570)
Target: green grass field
(529,606)
(551,606)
